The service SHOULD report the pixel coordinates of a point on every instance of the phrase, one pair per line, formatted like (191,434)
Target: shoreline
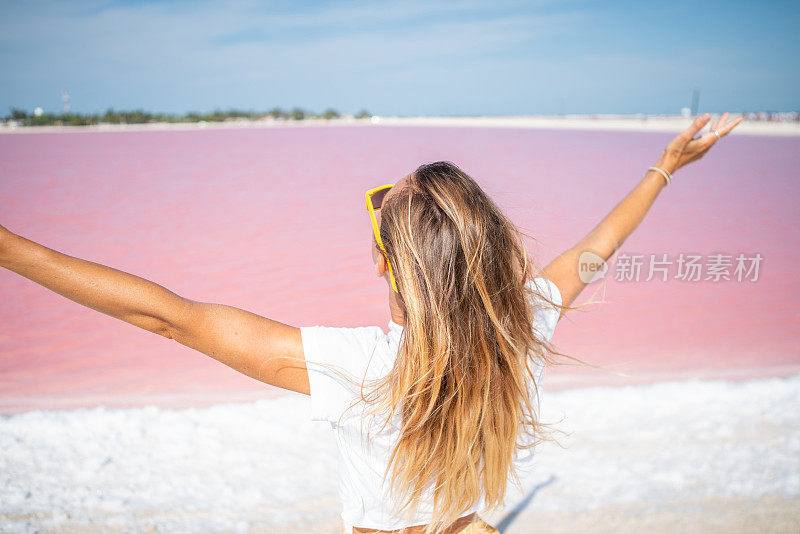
(633,123)
(555,382)
(706,455)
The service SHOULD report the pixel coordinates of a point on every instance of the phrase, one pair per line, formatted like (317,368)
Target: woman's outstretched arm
(261,348)
(608,236)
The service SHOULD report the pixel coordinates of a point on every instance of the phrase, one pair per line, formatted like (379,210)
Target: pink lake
(272,220)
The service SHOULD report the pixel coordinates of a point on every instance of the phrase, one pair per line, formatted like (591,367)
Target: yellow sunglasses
(374,202)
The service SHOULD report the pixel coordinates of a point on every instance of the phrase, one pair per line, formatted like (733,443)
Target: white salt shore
(692,455)
(620,122)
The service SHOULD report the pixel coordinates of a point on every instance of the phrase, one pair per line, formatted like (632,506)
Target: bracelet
(665,173)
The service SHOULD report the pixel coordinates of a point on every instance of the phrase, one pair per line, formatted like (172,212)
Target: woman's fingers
(722,126)
(695,127)
(717,124)
(727,128)
(699,146)
(685,148)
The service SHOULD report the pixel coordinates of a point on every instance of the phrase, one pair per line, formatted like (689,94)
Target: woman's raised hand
(685,148)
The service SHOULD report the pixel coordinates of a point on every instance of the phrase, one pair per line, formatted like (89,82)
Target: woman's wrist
(658,175)
(667,163)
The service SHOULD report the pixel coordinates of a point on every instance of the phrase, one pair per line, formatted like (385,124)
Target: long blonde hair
(463,381)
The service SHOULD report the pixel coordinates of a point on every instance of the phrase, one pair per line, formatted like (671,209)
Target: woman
(432,418)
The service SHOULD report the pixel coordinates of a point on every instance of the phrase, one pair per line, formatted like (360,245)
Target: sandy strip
(637,123)
(768,514)
(598,122)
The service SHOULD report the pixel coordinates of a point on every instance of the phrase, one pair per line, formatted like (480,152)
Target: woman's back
(339,361)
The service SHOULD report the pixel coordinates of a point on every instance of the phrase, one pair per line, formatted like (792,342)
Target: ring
(716,133)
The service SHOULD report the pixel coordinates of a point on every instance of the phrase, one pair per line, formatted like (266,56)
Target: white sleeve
(545,315)
(344,355)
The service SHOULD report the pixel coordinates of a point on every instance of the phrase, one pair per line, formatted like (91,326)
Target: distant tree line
(139,116)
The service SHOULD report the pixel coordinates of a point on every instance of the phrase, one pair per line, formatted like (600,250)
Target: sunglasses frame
(372,209)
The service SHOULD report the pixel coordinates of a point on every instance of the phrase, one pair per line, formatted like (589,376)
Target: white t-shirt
(368,353)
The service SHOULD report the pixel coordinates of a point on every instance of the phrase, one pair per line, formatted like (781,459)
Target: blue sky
(424,57)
